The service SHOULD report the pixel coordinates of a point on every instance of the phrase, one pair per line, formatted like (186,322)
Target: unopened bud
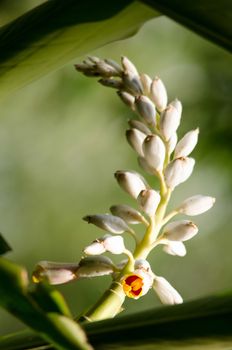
(175,248)
(146,82)
(93,266)
(178,171)
(128,66)
(54,272)
(178,105)
(146,109)
(182,230)
(172,143)
(131,182)
(142,264)
(109,223)
(105,70)
(159,94)
(165,292)
(114,244)
(169,121)
(127,98)
(145,166)
(149,201)
(95,248)
(136,124)
(196,205)
(114,64)
(135,138)
(132,83)
(186,145)
(154,151)
(111,82)
(128,214)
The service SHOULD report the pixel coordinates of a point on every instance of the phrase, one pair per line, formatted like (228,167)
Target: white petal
(186,145)
(95,248)
(178,171)
(135,138)
(149,201)
(108,222)
(114,244)
(175,248)
(182,230)
(159,94)
(196,205)
(154,151)
(166,293)
(169,121)
(142,264)
(132,182)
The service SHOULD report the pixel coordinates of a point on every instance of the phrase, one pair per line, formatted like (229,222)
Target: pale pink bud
(108,222)
(178,171)
(169,121)
(95,248)
(159,94)
(131,182)
(175,248)
(136,124)
(165,292)
(127,98)
(196,205)
(182,230)
(154,151)
(135,138)
(128,66)
(114,244)
(186,145)
(54,272)
(177,104)
(94,266)
(149,201)
(146,109)
(128,214)
(146,82)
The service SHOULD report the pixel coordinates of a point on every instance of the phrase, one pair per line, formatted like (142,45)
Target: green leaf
(210,18)
(56,32)
(4,246)
(200,324)
(49,318)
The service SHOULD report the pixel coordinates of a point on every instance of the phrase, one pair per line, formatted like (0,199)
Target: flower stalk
(153,137)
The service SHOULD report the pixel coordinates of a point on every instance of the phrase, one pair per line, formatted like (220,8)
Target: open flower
(137,283)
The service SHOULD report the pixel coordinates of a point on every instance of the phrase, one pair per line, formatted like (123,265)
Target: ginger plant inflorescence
(153,137)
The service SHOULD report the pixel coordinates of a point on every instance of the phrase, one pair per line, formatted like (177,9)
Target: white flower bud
(132,83)
(177,104)
(95,248)
(144,165)
(182,230)
(93,266)
(178,171)
(146,82)
(128,214)
(186,145)
(127,98)
(128,66)
(109,223)
(159,94)
(169,121)
(114,64)
(166,293)
(146,109)
(131,182)
(149,201)
(175,248)
(142,264)
(196,205)
(172,143)
(54,272)
(136,124)
(135,138)
(110,82)
(114,244)
(105,70)
(154,151)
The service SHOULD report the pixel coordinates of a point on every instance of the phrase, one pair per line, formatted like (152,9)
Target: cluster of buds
(153,137)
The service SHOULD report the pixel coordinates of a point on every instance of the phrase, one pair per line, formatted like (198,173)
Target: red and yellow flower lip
(137,283)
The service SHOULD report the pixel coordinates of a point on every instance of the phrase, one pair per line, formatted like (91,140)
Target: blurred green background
(63,137)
